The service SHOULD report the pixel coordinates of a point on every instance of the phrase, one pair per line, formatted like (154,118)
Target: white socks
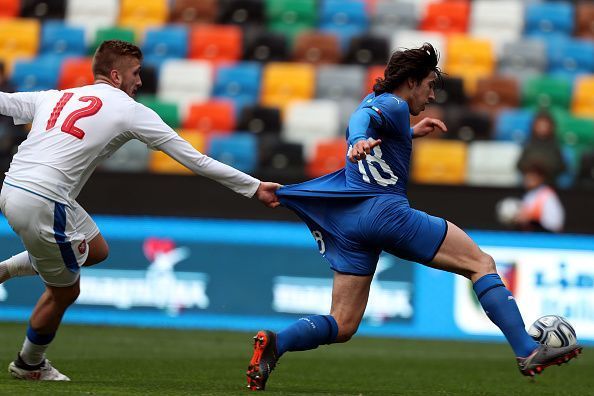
(32,354)
(17,265)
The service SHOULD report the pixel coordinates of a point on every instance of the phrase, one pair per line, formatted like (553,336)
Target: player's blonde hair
(110,53)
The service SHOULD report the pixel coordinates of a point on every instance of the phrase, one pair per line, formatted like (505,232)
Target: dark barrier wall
(192,196)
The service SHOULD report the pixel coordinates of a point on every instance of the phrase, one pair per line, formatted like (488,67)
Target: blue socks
(39,339)
(501,308)
(307,333)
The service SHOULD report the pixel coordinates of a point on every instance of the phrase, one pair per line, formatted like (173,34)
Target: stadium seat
(214,116)
(279,159)
(112,33)
(437,161)
(142,14)
(373,73)
(184,81)
(389,15)
(337,83)
(9,8)
(193,11)
(496,93)
(514,125)
(344,18)
(571,157)
(242,12)
(307,122)
(403,39)
(545,92)
(584,20)
(239,150)
(451,92)
(59,39)
(467,125)
(446,17)
(493,164)
(260,120)
(75,72)
(549,19)
(583,97)
(215,43)
(329,156)
(570,58)
(286,82)
(498,21)
(368,50)
(574,131)
(165,43)
(265,46)
(291,16)
(471,59)
(523,59)
(19,38)
(239,82)
(346,107)
(42,10)
(148,76)
(133,156)
(159,162)
(92,15)
(316,48)
(167,111)
(37,74)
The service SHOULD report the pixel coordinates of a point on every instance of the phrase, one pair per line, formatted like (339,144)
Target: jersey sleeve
(395,115)
(183,152)
(20,105)
(148,127)
(360,121)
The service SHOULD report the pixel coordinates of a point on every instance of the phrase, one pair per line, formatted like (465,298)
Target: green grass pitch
(131,361)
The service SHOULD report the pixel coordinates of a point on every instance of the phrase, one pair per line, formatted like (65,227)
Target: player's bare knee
(346,332)
(485,265)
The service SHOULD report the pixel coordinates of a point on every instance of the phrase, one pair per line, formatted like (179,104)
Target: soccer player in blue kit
(361,210)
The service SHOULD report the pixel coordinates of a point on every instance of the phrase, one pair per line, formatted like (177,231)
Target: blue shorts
(351,232)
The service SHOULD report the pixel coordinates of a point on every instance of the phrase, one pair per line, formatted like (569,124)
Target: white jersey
(75,129)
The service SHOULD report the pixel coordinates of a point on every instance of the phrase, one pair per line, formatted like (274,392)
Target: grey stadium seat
(340,82)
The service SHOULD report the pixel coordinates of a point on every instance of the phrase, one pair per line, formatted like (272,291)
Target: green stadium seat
(574,131)
(112,33)
(291,16)
(547,92)
(166,110)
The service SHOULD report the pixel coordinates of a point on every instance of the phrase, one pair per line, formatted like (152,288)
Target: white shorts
(55,235)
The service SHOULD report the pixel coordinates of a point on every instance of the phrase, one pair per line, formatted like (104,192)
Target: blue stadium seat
(549,19)
(570,58)
(514,125)
(62,40)
(164,43)
(571,155)
(36,74)
(345,18)
(239,82)
(239,150)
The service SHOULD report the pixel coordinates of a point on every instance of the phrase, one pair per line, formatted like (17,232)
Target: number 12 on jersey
(68,125)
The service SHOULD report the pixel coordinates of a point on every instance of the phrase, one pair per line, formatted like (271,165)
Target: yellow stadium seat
(470,59)
(439,162)
(19,38)
(162,163)
(142,14)
(286,82)
(583,97)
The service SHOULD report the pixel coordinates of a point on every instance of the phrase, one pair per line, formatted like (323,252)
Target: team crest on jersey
(82,247)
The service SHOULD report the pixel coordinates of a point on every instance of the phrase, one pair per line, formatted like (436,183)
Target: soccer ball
(553,330)
(507,209)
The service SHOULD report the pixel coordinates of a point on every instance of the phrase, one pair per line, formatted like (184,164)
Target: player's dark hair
(110,52)
(415,63)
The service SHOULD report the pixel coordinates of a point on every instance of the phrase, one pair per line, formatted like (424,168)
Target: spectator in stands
(541,208)
(543,148)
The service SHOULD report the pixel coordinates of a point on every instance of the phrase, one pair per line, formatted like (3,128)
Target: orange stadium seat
(329,156)
(583,97)
(159,162)
(471,59)
(446,16)
(191,11)
(212,116)
(286,82)
(75,72)
(19,38)
(373,73)
(9,8)
(439,161)
(141,14)
(216,43)
(317,48)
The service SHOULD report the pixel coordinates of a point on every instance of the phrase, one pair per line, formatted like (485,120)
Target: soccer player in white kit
(72,132)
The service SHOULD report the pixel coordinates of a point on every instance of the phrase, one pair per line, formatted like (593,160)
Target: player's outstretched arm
(428,125)
(266,193)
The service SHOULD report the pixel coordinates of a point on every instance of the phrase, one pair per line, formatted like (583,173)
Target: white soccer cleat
(42,372)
